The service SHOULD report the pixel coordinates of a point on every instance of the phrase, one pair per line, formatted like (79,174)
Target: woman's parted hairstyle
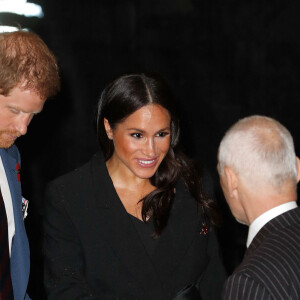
(121,98)
(26,61)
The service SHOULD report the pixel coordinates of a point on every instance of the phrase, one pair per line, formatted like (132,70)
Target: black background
(223,60)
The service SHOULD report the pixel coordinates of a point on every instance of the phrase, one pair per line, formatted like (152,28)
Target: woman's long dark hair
(121,98)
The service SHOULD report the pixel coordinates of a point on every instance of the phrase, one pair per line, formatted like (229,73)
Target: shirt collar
(260,221)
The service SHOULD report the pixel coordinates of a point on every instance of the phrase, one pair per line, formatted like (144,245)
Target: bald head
(261,152)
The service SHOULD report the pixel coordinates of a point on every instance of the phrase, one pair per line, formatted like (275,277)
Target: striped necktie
(6,290)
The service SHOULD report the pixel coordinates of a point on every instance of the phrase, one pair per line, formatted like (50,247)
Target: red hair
(27,62)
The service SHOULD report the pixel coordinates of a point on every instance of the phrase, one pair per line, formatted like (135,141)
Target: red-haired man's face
(16,112)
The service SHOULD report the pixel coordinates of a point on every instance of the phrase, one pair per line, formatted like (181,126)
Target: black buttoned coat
(93,251)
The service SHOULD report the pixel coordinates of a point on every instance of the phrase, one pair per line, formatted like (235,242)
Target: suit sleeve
(64,277)
(239,286)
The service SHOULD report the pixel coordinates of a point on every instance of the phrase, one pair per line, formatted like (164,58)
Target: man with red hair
(28,76)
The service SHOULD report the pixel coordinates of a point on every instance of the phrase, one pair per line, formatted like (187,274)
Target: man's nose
(22,123)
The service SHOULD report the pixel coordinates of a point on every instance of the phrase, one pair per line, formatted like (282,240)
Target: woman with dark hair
(133,223)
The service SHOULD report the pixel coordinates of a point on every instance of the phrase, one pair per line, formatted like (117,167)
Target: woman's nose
(149,148)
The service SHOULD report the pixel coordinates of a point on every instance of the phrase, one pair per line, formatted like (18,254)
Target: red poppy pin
(204,229)
(18,171)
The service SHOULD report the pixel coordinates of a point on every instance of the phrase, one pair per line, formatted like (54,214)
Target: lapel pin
(25,203)
(204,229)
(18,171)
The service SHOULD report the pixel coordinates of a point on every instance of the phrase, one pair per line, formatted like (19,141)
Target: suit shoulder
(278,243)
(275,264)
(276,253)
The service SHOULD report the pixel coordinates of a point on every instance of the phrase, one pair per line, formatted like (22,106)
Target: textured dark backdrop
(223,59)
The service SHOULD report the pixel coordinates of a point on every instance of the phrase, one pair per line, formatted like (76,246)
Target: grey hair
(260,150)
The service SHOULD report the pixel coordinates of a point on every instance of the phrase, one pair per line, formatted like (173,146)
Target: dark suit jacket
(19,260)
(93,251)
(271,266)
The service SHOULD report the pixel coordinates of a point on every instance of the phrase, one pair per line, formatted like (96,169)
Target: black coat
(93,251)
(271,266)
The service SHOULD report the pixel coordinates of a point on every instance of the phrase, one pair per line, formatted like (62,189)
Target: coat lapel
(10,163)
(183,226)
(120,233)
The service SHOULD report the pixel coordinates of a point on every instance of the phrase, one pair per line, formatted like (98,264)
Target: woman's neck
(129,188)
(124,178)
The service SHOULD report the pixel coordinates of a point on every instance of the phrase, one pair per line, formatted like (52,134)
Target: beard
(5,141)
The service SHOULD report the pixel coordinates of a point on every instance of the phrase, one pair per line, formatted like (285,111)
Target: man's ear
(108,129)
(298,168)
(232,180)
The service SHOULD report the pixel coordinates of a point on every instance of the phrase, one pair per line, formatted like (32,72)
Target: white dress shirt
(263,219)
(8,204)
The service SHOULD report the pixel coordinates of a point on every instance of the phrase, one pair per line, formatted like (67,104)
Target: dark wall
(223,60)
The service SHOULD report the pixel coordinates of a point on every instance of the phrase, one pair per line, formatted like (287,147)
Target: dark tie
(6,291)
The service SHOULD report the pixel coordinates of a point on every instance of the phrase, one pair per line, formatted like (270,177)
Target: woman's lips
(147,163)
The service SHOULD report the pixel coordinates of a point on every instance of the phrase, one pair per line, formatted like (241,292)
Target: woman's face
(141,141)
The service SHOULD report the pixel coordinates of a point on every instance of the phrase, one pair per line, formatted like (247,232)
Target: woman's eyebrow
(141,130)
